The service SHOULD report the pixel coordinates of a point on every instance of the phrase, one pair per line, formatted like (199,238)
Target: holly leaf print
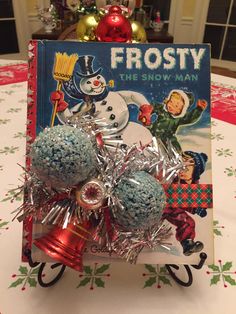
(219,152)
(9,150)
(227,266)
(99,282)
(32,282)
(224,152)
(17,283)
(101,269)
(12,110)
(216,136)
(23,270)
(4,121)
(230,280)
(13,195)
(228,151)
(150,268)
(163,270)
(214,267)
(215,279)
(150,282)
(84,282)
(217,232)
(3,224)
(230,172)
(6,199)
(165,280)
(88,270)
(20,135)
(35,271)
(215,222)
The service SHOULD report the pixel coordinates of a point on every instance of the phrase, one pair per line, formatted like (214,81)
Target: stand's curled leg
(188,283)
(41,269)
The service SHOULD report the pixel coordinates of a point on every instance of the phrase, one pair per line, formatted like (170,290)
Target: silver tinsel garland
(114,162)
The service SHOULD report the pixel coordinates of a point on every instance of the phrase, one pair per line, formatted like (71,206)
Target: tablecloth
(116,287)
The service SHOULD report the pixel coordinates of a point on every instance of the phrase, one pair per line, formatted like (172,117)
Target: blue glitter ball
(63,156)
(143,198)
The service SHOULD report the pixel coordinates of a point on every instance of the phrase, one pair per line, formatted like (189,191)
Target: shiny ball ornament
(86,27)
(114,27)
(63,156)
(143,200)
(138,32)
(91,195)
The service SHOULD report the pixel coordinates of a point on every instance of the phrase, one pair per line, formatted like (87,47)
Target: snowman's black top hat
(86,67)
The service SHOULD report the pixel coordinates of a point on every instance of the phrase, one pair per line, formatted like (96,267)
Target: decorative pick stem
(59,86)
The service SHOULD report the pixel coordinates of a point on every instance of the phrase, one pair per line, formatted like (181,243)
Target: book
(142,91)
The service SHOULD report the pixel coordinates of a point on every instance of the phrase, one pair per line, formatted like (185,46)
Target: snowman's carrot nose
(96,83)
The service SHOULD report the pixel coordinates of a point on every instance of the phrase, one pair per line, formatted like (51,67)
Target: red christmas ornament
(114,27)
(66,245)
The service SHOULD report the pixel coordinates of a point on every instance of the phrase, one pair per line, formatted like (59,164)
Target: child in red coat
(179,217)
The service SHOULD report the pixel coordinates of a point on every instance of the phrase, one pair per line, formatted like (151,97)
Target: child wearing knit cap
(195,166)
(179,217)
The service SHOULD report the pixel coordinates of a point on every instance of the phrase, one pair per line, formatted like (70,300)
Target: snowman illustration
(119,109)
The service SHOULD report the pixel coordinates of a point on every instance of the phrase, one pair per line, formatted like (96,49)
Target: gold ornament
(138,32)
(86,27)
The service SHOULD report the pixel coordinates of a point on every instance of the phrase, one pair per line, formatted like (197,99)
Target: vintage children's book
(142,91)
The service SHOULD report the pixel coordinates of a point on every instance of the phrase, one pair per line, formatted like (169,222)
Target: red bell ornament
(66,245)
(114,27)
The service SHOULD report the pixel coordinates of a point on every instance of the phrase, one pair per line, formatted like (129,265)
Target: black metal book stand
(171,268)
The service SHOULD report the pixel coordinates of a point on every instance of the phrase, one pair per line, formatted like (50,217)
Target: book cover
(142,91)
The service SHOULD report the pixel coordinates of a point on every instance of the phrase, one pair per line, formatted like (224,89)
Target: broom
(62,72)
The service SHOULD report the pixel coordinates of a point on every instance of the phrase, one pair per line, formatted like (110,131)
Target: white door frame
(199,20)
(180,26)
(175,15)
(22,30)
